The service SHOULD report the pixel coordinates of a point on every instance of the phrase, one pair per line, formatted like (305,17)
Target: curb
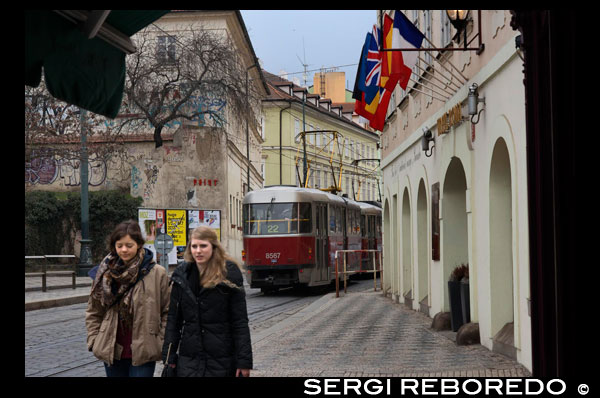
(58,302)
(57,287)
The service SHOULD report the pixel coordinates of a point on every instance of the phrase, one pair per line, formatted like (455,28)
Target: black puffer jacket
(214,323)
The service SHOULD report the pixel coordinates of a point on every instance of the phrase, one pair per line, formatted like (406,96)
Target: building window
(446,37)
(427,32)
(165,49)
(297,130)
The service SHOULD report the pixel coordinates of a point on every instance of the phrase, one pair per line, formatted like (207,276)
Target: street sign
(163,244)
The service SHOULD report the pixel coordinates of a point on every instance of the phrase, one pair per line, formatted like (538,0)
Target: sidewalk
(59,292)
(364,334)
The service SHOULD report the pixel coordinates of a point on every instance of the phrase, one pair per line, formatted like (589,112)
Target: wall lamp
(427,137)
(458,18)
(472,101)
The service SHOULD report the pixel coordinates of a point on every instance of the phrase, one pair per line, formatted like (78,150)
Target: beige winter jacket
(151,297)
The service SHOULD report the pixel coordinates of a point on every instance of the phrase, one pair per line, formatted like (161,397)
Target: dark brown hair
(131,228)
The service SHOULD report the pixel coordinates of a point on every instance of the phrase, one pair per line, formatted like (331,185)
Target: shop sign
(449,119)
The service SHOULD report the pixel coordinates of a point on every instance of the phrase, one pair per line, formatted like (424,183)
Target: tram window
(304,218)
(332,219)
(246,222)
(277,218)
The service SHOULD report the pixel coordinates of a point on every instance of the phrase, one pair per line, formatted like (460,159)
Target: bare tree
(55,127)
(196,76)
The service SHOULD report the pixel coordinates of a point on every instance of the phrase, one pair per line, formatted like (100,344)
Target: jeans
(124,368)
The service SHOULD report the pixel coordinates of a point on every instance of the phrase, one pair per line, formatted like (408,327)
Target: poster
(147,222)
(176,222)
(208,218)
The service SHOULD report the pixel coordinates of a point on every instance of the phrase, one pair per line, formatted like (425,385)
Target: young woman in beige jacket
(128,306)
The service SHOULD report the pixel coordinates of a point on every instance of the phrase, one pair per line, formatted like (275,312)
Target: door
(321,242)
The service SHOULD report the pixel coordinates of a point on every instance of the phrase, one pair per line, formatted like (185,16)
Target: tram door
(321,242)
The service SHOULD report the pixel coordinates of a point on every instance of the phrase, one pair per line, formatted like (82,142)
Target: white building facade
(464,200)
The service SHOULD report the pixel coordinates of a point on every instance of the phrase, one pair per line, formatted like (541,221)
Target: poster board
(177,223)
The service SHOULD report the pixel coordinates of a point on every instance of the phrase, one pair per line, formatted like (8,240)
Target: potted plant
(456,316)
(464,296)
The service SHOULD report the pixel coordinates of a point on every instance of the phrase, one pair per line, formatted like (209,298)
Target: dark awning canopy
(83,53)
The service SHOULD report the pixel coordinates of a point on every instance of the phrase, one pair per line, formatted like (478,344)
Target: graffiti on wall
(45,168)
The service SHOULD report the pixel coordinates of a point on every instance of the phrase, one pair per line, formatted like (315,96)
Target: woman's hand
(242,373)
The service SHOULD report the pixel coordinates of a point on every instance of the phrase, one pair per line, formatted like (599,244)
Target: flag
(405,35)
(377,121)
(360,71)
(370,92)
(373,77)
(392,65)
(358,94)
(370,66)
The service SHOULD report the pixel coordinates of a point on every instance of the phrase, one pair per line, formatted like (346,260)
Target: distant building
(201,165)
(286,116)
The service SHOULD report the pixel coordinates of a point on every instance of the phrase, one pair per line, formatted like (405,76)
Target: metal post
(304,135)
(374,273)
(247,134)
(345,279)
(85,257)
(337,281)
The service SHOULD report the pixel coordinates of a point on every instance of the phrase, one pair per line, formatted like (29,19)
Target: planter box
(465,302)
(456,317)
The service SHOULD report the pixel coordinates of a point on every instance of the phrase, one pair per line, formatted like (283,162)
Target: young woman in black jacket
(207,331)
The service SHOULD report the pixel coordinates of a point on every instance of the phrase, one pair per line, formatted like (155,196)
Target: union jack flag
(373,67)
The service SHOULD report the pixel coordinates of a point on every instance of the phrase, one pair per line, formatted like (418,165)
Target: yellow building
(333,143)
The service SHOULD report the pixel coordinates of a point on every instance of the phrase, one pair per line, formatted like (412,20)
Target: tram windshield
(277,218)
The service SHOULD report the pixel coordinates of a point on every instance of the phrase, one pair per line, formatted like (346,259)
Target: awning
(87,72)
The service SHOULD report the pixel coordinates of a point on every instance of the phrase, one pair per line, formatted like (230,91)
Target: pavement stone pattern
(366,335)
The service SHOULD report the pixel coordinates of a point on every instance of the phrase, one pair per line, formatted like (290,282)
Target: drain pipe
(280,148)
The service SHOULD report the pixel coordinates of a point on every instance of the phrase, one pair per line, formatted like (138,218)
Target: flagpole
(446,69)
(450,82)
(432,83)
(431,95)
(451,64)
(432,90)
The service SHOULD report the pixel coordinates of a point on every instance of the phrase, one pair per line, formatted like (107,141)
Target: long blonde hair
(216,271)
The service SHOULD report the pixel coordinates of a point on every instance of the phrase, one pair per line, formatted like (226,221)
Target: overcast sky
(285,39)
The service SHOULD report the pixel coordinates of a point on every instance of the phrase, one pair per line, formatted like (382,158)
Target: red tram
(291,235)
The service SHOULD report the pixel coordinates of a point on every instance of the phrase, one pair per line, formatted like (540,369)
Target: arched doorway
(422,252)
(501,253)
(454,220)
(406,251)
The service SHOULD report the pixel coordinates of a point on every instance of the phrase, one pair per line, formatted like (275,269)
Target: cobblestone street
(366,335)
(359,334)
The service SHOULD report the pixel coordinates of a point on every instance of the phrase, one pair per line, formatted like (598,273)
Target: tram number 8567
(273,256)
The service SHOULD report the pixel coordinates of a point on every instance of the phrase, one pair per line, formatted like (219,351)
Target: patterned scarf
(112,283)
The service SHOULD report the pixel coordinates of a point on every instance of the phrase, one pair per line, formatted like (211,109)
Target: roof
(280,91)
